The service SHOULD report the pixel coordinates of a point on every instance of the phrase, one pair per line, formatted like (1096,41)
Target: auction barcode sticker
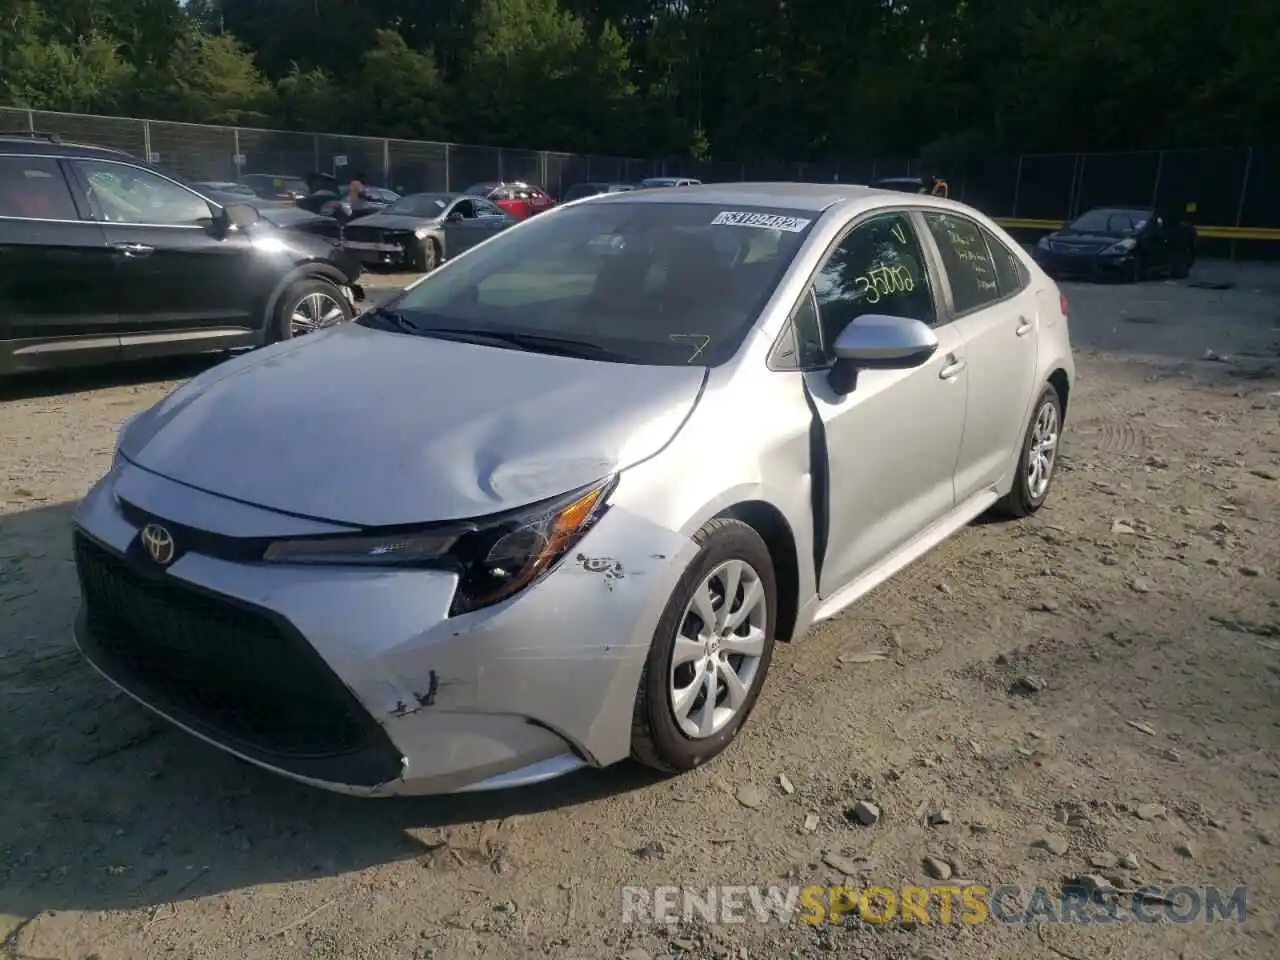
(765,221)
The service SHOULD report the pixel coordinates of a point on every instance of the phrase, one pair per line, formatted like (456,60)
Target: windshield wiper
(384,318)
(531,342)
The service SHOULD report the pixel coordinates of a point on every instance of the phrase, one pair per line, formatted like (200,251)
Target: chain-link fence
(1229,192)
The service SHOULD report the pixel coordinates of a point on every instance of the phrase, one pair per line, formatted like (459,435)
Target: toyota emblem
(159,543)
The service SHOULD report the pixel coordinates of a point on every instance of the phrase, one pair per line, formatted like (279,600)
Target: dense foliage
(733,79)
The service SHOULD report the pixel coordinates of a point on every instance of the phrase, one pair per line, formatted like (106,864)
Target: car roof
(1115,209)
(52,145)
(812,197)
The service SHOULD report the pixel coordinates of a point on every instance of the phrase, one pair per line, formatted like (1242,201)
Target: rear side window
(34,188)
(1011,275)
(970,268)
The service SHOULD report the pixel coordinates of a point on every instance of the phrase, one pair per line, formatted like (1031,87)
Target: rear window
(667,284)
(34,188)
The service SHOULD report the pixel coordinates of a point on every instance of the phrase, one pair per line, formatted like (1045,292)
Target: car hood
(395,221)
(371,428)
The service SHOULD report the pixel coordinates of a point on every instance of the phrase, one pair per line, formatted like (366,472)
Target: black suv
(103,257)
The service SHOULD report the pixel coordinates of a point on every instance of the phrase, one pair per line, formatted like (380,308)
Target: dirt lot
(1096,690)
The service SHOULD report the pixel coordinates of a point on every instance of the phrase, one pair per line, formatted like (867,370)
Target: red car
(516,197)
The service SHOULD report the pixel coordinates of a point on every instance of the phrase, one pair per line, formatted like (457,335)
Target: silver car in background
(555,504)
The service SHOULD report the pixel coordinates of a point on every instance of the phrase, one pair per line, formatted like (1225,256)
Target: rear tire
(309,304)
(1031,486)
(734,557)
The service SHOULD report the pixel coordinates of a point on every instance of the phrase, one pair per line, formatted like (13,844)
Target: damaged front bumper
(356,680)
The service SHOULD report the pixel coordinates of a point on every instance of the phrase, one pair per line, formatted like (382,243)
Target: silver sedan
(555,504)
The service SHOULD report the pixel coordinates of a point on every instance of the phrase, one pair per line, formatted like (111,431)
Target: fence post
(501,176)
(31,120)
(386,164)
(542,170)
(1017,187)
(315,152)
(447,185)
(1244,189)
(235,158)
(1155,190)
(146,139)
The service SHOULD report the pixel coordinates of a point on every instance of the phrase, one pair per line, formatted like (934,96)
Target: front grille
(368,234)
(233,673)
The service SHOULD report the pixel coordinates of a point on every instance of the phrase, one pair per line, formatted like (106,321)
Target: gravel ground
(1093,691)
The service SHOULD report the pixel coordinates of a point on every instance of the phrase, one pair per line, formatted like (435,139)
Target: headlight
(495,558)
(1042,243)
(1123,246)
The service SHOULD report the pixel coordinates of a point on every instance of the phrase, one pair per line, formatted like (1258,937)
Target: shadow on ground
(72,750)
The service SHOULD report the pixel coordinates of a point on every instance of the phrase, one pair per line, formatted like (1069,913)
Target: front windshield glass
(652,283)
(1112,223)
(421,205)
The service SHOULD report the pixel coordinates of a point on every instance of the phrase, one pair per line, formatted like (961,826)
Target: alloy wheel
(1042,452)
(718,649)
(315,311)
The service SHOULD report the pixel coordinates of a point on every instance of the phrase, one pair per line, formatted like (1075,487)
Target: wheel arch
(310,270)
(1061,384)
(768,521)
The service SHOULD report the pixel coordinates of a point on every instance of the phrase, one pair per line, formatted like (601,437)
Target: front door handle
(1024,326)
(134,249)
(952,369)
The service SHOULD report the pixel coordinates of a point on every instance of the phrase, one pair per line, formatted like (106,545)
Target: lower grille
(233,673)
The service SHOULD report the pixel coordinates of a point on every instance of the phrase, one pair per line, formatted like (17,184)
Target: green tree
(205,79)
(398,91)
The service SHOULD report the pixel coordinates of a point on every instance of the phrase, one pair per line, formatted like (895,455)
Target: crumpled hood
(366,427)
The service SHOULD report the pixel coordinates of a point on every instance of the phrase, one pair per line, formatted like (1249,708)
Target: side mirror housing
(240,215)
(880,342)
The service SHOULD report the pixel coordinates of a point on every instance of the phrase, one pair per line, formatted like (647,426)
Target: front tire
(710,653)
(308,305)
(1038,459)
(426,256)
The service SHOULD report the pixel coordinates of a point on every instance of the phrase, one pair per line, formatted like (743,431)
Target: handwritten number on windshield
(883,281)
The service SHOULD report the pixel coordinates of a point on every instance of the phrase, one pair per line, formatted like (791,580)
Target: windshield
(659,182)
(652,283)
(427,205)
(1112,223)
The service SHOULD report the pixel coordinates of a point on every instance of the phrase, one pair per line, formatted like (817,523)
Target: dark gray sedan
(421,231)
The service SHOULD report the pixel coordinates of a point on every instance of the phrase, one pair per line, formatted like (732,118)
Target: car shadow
(52,383)
(109,807)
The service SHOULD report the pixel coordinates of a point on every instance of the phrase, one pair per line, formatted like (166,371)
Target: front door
(996,309)
(463,227)
(175,272)
(56,272)
(892,441)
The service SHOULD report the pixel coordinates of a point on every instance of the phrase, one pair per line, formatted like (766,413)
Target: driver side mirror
(880,342)
(239,215)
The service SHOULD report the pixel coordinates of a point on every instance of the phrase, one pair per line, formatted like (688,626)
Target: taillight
(1062,302)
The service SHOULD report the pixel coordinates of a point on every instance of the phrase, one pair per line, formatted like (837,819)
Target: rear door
(993,306)
(491,218)
(175,273)
(56,272)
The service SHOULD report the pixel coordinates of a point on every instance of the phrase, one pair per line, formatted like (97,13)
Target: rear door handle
(1024,326)
(952,369)
(134,249)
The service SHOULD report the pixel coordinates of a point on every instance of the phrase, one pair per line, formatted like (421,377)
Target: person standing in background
(354,189)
